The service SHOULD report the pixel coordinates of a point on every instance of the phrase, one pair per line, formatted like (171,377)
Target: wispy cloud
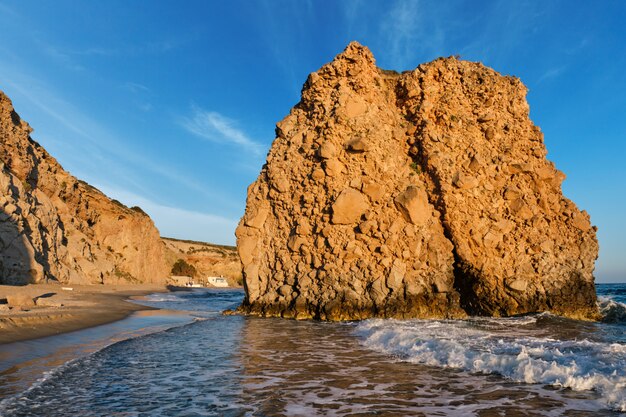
(551,73)
(218,128)
(580,46)
(408,33)
(285,30)
(49,103)
(399,27)
(136,87)
(351,11)
(104,147)
(62,58)
(141,95)
(177,222)
(500,29)
(155,47)
(97,51)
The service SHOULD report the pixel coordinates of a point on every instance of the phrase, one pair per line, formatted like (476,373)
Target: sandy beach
(56,309)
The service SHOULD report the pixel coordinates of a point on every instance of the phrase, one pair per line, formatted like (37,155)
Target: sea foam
(474,346)
(163,297)
(612,311)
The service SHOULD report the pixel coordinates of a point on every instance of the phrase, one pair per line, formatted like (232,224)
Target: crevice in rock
(464,281)
(464,284)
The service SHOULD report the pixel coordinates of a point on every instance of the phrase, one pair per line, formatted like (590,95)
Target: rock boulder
(422,194)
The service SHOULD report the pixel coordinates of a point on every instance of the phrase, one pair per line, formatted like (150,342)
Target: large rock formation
(55,227)
(422,194)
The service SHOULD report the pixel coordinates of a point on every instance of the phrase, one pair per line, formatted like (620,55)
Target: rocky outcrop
(422,194)
(56,227)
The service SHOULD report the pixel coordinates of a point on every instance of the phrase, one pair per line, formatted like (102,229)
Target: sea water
(203,363)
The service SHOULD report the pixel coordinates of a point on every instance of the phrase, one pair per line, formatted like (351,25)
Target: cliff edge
(421,194)
(54,227)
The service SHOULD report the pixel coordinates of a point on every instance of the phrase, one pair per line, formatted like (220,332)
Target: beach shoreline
(58,309)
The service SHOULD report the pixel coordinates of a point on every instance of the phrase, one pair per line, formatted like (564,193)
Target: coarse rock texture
(422,194)
(56,227)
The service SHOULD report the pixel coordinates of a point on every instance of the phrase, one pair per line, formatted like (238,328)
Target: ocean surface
(190,360)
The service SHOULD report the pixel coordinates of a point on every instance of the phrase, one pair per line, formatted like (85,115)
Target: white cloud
(405,31)
(218,128)
(294,19)
(179,223)
(136,87)
(105,148)
(551,73)
(34,91)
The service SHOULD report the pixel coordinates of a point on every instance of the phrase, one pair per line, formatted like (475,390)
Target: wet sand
(57,310)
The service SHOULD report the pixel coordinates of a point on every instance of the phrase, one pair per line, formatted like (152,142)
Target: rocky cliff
(56,227)
(422,194)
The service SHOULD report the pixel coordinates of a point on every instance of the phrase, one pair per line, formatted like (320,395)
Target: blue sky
(172,105)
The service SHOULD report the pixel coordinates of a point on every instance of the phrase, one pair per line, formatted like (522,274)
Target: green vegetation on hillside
(182,268)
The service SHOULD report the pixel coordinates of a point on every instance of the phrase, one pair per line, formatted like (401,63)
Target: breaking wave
(507,347)
(612,311)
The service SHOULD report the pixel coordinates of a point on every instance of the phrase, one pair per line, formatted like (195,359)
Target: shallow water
(23,363)
(234,366)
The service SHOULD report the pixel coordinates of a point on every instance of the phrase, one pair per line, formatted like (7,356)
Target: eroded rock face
(56,227)
(425,194)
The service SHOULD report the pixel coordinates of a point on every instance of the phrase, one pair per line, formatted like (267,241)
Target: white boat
(217,281)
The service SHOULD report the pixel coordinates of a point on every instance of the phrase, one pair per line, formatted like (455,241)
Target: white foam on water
(470,346)
(7,403)
(612,311)
(163,297)
(83,360)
